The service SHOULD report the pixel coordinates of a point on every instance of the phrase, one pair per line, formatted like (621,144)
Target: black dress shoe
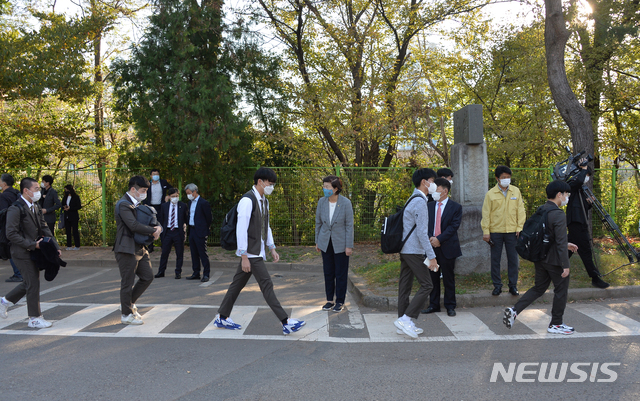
(205,279)
(159,275)
(430,309)
(194,277)
(496,291)
(14,279)
(596,282)
(178,276)
(451,312)
(513,291)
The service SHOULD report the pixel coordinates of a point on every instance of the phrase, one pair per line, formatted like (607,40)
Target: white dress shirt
(332,209)
(245,208)
(156,193)
(134,200)
(192,211)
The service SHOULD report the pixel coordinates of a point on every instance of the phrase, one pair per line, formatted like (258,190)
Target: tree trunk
(577,118)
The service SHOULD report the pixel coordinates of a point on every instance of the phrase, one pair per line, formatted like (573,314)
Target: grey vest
(254,236)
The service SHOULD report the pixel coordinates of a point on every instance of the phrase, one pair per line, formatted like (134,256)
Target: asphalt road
(353,355)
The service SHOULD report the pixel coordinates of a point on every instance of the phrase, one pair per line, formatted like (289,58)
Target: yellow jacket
(502,214)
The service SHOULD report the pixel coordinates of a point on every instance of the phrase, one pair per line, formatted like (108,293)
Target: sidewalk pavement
(104,257)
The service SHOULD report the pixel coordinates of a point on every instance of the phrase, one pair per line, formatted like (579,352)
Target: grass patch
(382,277)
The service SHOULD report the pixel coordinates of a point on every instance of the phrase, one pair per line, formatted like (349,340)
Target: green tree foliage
(177,91)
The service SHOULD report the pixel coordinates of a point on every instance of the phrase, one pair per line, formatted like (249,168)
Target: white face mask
(565,201)
(451,182)
(268,190)
(190,197)
(586,179)
(436,196)
(42,185)
(36,196)
(505,182)
(141,197)
(174,200)
(432,188)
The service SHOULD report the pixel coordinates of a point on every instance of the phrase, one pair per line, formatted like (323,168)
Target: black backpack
(228,238)
(391,240)
(5,244)
(533,242)
(145,216)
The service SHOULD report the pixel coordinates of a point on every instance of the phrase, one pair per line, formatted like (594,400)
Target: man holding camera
(578,222)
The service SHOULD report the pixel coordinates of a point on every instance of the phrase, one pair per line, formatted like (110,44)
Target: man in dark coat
(49,202)
(7,197)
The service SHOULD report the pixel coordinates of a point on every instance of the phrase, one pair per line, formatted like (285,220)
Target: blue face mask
(155,177)
(327,192)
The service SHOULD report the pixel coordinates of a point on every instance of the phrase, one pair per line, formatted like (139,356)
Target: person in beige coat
(25,229)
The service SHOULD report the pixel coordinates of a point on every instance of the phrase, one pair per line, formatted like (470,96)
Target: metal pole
(104,204)
(614,179)
(338,171)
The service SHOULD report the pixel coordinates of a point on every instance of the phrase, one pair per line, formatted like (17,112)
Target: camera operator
(578,224)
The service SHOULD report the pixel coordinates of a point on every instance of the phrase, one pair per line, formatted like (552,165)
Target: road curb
(215,264)
(364,296)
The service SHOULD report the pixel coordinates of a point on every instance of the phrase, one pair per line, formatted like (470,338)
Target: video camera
(569,167)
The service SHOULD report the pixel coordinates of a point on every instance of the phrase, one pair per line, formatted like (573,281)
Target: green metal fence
(374,193)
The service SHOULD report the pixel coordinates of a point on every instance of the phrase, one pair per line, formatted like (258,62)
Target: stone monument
(470,165)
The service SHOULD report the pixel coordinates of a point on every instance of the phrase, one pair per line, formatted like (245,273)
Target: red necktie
(436,231)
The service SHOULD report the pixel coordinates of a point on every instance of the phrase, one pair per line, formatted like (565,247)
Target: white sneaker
(3,308)
(134,310)
(418,330)
(509,317)
(407,328)
(39,323)
(131,319)
(69,248)
(560,329)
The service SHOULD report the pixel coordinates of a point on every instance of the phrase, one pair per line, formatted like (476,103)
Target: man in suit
(199,223)
(7,197)
(578,225)
(173,216)
(49,202)
(133,258)
(157,195)
(555,266)
(25,228)
(445,216)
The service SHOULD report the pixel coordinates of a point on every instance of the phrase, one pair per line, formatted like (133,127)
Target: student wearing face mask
(70,205)
(334,238)
(503,217)
(254,238)
(173,216)
(49,202)
(199,222)
(132,257)
(578,224)
(555,266)
(25,228)
(446,173)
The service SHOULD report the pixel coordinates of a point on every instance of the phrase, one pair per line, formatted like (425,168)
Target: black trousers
(198,246)
(72,229)
(172,238)
(413,266)
(448,279)
(240,279)
(579,235)
(545,274)
(513,263)
(336,270)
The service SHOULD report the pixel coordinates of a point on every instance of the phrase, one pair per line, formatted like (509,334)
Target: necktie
(173,217)
(265,221)
(436,230)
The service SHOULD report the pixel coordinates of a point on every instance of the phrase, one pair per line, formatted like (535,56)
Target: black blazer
(449,224)
(8,196)
(575,213)
(71,215)
(165,215)
(50,202)
(202,218)
(165,186)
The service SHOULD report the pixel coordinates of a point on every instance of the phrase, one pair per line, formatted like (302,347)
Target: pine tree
(177,91)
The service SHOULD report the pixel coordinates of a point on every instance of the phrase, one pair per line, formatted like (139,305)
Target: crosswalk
(351,326)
